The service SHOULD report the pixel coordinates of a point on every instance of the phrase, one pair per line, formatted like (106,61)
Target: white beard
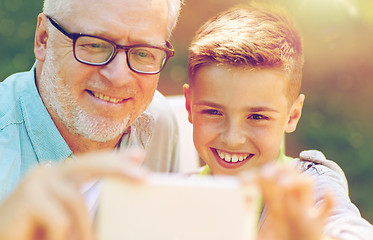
(76,119)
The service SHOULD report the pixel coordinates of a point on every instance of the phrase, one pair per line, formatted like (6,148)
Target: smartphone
(174,207)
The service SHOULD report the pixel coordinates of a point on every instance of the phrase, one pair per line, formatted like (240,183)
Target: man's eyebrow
(105,34)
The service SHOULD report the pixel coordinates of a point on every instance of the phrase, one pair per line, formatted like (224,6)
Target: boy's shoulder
(315,163)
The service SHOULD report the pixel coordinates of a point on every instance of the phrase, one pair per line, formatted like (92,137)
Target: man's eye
(95,45)
(211,112)
(257,117)
(143,54)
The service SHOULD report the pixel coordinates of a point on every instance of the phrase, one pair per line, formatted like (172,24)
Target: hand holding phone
(171,207)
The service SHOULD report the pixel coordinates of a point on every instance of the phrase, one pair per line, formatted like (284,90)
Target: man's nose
(234,135)
(118,71)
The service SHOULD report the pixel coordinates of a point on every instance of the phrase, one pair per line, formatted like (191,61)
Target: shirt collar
(140,132)
(47,141)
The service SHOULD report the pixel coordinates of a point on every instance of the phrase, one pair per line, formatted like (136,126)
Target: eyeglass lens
(98,51)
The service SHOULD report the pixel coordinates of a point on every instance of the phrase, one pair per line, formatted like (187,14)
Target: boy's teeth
(231,157)
(107,98)
(227,157)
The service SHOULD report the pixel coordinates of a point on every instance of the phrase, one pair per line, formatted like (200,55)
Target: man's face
(100,102)
(239,116)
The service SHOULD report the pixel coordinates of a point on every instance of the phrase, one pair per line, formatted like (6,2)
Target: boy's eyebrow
(262,109)
(250,109)
(209,104)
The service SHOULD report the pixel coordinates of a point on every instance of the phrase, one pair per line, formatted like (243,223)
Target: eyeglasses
(98,51)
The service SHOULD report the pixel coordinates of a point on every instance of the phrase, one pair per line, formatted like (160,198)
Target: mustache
(102,86)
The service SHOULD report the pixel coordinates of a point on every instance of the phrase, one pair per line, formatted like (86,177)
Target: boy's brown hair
(253,38)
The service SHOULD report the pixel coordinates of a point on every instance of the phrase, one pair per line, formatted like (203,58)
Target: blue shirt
(28,135)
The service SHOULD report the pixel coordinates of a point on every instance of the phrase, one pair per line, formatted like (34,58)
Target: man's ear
(295,113)
(41,37)
(187,93)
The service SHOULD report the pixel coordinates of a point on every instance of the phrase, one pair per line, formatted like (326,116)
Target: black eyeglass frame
(74,36)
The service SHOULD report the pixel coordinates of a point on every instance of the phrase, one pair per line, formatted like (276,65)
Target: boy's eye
(257,117)
(211,112)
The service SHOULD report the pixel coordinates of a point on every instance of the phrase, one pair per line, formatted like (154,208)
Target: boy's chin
(227,172)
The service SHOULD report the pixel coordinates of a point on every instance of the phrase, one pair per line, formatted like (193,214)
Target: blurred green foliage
(17,26)
(338,74)
(343,136)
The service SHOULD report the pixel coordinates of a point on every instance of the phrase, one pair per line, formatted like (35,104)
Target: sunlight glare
(347,5)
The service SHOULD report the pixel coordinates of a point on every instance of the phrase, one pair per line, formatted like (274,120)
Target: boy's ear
(186,88)
(41,37)
(295,113)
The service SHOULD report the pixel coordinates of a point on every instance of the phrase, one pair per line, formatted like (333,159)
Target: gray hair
(60,9)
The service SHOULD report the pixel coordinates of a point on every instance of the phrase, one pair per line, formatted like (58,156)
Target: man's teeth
(107,98)
(232,157)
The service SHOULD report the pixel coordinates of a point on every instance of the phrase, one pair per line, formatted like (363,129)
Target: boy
(245,70)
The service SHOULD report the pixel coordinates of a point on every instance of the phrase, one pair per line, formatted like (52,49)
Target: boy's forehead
(216,69)
(235,84)
(209,73)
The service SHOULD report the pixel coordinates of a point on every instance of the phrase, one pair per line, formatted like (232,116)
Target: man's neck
(80,145)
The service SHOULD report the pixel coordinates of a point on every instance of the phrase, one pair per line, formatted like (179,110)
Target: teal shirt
(28,135)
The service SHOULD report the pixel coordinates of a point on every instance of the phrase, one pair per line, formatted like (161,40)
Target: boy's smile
(231,159)
(239,116)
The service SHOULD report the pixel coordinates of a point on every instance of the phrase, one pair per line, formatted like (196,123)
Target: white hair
(57,8)
(174,7)
(60,9)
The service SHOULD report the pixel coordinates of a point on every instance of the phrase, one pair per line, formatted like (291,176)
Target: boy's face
(239,116)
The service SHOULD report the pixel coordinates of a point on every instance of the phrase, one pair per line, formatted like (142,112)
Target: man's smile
(105,97)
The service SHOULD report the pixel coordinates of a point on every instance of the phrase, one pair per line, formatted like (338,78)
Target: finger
(248,178)
(44,213)
(72,202)
(283,188)
(55,208)
(135,155)
(268,178)
(103,164)
(326,206)
(288,180)
(300,188)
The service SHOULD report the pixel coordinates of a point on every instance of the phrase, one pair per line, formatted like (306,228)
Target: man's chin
(100,131)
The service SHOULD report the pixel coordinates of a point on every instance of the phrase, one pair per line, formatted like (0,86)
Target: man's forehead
(117,19)
(100,5)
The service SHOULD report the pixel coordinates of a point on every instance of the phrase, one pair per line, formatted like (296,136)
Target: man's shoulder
(160,106)
(157,121)
(14,80)
(162,134)
(10,93)
(161,113)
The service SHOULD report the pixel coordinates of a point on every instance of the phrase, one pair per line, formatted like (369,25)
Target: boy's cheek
(269,145)
(203,129)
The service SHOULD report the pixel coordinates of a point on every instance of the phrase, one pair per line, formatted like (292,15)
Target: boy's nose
(234,135)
